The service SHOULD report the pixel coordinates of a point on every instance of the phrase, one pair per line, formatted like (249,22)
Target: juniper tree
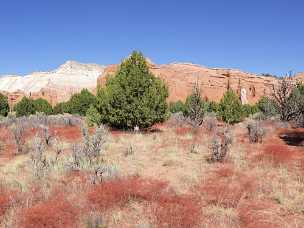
(133,96)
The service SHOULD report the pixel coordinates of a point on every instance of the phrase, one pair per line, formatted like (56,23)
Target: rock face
(59,85)
(214,82)
(300,77)
(55,86)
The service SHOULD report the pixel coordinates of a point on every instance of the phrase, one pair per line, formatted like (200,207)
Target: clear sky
(261,36)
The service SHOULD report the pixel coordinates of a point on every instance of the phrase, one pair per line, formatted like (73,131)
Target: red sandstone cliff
(180,77)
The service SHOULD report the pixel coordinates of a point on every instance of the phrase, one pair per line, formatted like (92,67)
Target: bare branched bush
(220,146)
(85,137)
(1,146)
(64,120)
(45,134)
(281,96)
(95,221)
(88,153)
(57,147)
(38,158)
(210,122)
(103,173)
(177,120)
(129,151)
(18,131)
(77,156)
(255,132)
(93,145)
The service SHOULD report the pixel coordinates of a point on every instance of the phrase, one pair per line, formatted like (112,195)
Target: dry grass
(165,180)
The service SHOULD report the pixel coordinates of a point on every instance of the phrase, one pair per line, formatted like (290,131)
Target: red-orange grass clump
(5,203)
(55,212)
(119,191)
(177,211)
(183,130)
(277,154)
(258,213)
(226,188)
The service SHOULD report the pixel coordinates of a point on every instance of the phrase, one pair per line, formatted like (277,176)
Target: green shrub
(61,108)
(25,107)
(267,106)
(195,107)
(230,108)
(177,106)
(93,117)
(212,106)
(249,110)
(4,107)
(81,102)
(42,105)
(134,96)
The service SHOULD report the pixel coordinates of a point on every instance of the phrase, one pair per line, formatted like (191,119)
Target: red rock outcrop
(214,82)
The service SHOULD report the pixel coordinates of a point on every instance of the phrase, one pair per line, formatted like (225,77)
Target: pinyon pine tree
(195,107)
(133,97)
(230,108)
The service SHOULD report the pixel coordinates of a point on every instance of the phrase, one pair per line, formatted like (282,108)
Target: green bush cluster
(267,106)
(175,107)
(4,107)
(78,104)
(28,106)
(229,109)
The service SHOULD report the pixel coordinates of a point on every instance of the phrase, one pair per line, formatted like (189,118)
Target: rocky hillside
(180,78)
(55,86)
(71,77)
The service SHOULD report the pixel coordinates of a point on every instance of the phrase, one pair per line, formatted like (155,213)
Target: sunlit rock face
(214,82)
(55,86)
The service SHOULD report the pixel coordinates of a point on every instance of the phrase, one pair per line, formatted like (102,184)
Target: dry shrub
(177,211)
(226,188)
(276,154)
(256,132)
(118,192)
(258,213)
(56,212)
(220,146)
(210,122)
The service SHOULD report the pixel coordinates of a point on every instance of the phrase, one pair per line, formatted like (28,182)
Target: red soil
(68,133)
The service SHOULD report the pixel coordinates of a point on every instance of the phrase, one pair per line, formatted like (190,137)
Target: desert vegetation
(126,158)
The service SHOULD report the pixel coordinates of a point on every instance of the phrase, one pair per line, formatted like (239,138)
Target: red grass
(183,130)
(119,191)
(262,214)
(5,203)
(177,211)
(276,153)
(56,212)
(226,188)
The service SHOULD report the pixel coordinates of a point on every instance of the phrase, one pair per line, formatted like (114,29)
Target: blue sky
(261,36)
